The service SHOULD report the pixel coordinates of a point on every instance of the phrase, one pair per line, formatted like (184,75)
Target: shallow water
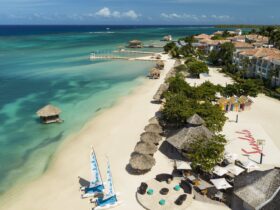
(41,65)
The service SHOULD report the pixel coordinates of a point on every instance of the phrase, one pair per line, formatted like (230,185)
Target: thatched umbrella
(160,65)
(154,73)
(145,148)
(150,137)
(141,162)
(153,120)
(155,128)
(162,88)
(183,138)
(195,120)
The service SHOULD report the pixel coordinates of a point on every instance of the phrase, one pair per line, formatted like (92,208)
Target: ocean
(50,64)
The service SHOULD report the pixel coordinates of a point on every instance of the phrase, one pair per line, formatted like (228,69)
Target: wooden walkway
(109,57)
(134,51)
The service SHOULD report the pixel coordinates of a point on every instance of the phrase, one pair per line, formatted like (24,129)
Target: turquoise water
(41,68)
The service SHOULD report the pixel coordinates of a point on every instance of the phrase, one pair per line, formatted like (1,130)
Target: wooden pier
(133,51)
(111,57)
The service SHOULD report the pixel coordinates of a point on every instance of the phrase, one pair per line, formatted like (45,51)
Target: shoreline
(58,187)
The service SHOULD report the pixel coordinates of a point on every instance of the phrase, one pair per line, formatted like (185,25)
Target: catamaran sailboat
(96,185)
(109,200)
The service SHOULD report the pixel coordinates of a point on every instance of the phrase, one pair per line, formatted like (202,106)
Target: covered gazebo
(135,44)
(49,114)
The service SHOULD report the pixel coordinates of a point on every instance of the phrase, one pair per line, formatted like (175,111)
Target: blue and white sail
(109,185)
(109,199)
(96,184)
(96,177)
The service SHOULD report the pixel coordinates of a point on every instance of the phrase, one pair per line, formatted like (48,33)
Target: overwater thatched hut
(141,163)
(258,190)
(145,148)
(162,88)
(135,44)
(195,120)
(160,65)
(167,38)
(155,128)
(183,138)
(150,137)
(154,73)
(49,114)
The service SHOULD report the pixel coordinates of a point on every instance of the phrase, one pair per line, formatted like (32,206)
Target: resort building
(240,38)
(258,190)
(255,38)
(210,45)
(263,63)
(202,36)
(242,45)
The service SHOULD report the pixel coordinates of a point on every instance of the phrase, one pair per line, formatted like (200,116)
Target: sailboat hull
(109,206)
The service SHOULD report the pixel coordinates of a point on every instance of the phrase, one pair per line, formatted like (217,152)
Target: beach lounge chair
(164,177)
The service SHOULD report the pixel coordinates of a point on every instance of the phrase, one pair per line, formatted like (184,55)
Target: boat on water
(96,185)
(109,199)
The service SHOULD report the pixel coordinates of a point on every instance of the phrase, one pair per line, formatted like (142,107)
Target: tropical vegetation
(206,153)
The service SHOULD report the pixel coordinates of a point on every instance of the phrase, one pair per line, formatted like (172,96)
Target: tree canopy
(197,67)
(205,154)
(248,87)
(223,55)
(182,101)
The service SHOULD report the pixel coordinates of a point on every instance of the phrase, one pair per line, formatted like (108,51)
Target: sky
(139,12)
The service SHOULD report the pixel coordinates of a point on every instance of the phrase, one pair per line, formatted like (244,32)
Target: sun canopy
(220,171)
(250,165)
(183,165)
(230,157)
(234,169)
(220,183)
